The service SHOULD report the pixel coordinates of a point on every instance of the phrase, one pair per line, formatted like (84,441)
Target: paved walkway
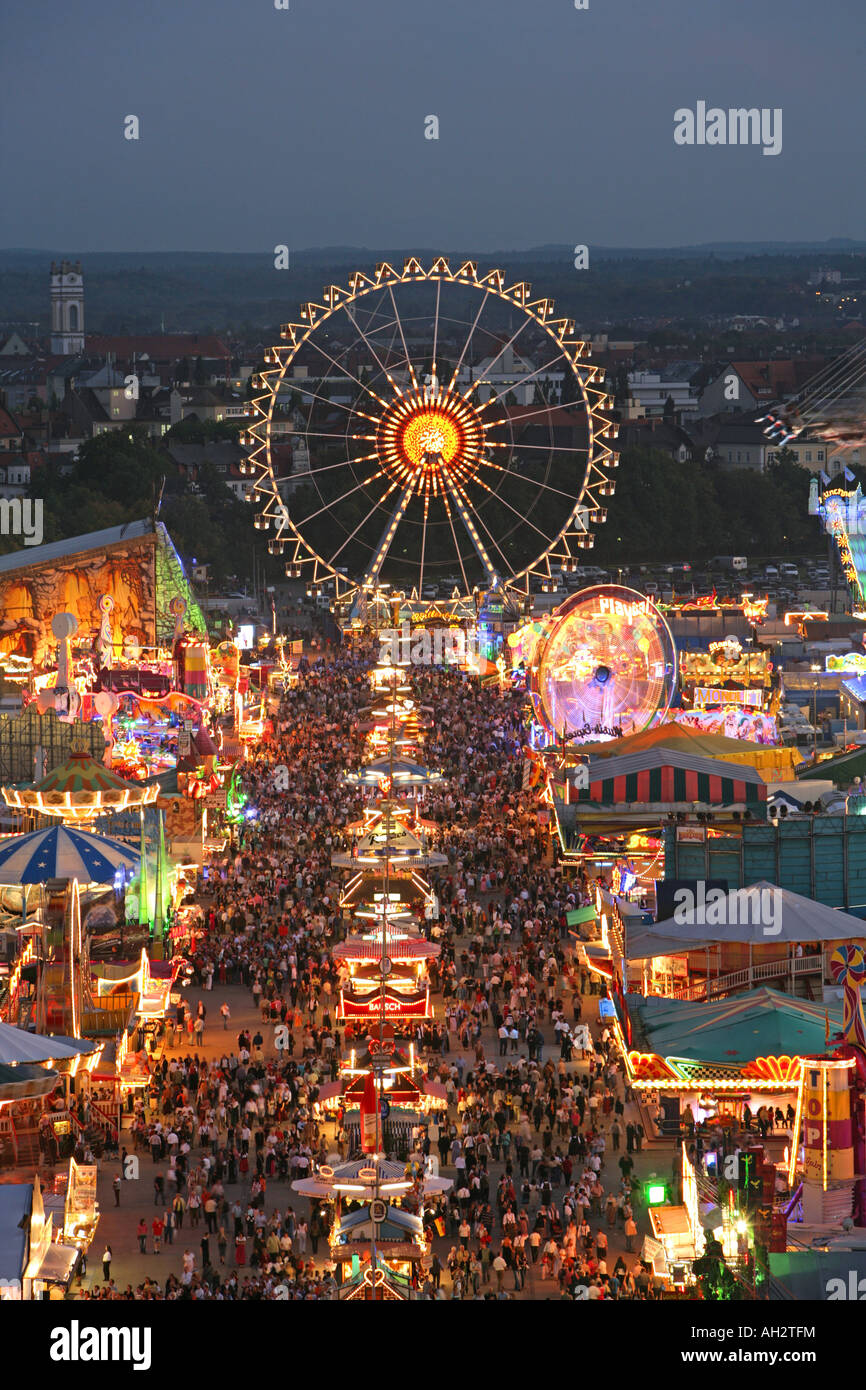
(117,1225)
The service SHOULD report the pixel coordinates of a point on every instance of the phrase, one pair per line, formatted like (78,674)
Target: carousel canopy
(388,840)
(370,887)
(17,1046)
(398,948)
(79,789)
(26,1081)
(404,772)
(63,852)
(359,1177)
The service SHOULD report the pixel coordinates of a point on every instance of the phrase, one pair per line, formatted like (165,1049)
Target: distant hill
(242,293)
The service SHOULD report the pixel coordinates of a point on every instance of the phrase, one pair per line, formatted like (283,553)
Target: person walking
(106,1264)
(630,1233)
(116,1186)
(226,1013)
(142,1236)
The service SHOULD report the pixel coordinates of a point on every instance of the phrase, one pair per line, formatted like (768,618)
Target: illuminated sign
(852,662)
(608,604)
(707,695)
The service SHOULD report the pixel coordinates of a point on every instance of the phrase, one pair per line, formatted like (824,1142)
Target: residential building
(755,386)
(654,389)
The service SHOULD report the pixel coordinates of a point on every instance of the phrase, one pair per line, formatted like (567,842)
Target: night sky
(306,126)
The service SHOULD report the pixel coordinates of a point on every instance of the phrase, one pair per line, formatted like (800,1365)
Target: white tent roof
(761,914)
(17,1045)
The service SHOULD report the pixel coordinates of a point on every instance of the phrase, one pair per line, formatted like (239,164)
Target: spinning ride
(606,668)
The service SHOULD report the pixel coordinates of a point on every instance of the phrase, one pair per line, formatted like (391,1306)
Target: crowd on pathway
(539,1147)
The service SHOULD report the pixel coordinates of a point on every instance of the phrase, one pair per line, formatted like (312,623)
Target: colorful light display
(606,668)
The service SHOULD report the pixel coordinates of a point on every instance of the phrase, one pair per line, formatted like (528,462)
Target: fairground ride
(429,430)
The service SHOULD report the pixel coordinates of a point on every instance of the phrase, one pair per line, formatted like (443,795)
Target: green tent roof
(760,1023)
(840,770)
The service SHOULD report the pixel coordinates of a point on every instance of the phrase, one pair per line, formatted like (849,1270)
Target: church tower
(67,308)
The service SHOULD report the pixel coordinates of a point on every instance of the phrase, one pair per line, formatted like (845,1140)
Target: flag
(849,476)
(369,1116)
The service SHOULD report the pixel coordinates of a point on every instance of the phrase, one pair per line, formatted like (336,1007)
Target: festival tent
(63,852)
(661,776)
(682,736)
(760,1023)
(761,915)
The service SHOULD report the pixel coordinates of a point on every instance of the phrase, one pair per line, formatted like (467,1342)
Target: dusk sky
(306,127)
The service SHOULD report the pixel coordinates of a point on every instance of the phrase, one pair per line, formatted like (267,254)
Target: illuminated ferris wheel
(429,429)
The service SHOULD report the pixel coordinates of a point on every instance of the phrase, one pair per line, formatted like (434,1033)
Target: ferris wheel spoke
(482,525)
(525,519)
(468,340)
(329,506)
(465,515)
(531,482)
(345,372)
(457,550)
(515,385)
(403,340)
(547,409)
(551,448)
(379,363)
(504,348)
(326,400)
(424,536)
(375,507)
(387,539)
(436,327)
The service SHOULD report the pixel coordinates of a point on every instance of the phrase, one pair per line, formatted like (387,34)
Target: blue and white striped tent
(63,852)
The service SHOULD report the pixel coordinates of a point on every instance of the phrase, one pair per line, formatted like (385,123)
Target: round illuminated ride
(606,668)
(429,429)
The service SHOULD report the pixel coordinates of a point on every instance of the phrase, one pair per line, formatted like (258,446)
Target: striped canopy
(666,776)
(63,852)
(79,789)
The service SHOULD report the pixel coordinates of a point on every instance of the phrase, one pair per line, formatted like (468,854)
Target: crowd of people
(531,1140)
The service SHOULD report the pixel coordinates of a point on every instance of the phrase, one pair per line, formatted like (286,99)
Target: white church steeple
(67,308)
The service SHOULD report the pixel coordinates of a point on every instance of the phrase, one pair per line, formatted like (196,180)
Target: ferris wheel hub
(419,438)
